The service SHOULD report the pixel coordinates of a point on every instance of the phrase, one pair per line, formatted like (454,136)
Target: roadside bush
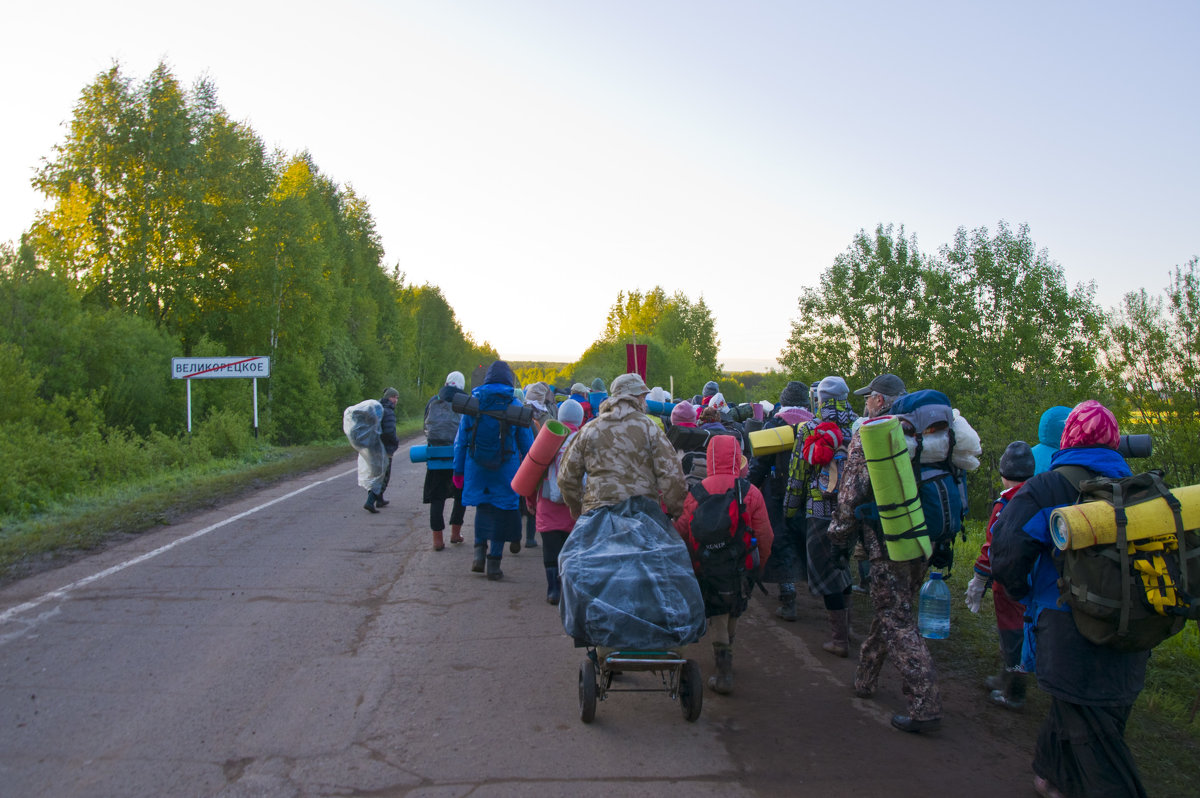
(225,433)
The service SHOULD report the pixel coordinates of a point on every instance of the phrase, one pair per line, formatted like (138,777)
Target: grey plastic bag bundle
(361,423)
(627,580)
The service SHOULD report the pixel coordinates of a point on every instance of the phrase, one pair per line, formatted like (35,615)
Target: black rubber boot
(477,563)
(787,607)
(553,588)
(493,569)
(369,506)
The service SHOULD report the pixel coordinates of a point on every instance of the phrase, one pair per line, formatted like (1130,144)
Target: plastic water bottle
(933,618)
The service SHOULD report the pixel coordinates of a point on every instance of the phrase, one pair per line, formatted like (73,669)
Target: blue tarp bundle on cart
(627,580)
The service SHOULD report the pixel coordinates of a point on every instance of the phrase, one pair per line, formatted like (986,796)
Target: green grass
(1164,729)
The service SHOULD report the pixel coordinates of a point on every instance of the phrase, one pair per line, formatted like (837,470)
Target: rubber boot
(787,607)
(380,501)
(515,546)
(494,573)
(477,563)
(369,506)
(1009,690)
(438,542)
(530,533)
(456,534)
(553,587)
(722,681)
(839,632)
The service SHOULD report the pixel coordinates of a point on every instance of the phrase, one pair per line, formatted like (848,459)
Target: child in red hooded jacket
(726,468)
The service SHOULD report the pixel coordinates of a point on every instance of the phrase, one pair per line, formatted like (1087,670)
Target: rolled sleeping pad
(517,415)
(541,455)
(433,455)
(895,489)
(758,411)
(659,408)
(741,412)
(1094,523)
(688,439)
(1135,446)
(772,441)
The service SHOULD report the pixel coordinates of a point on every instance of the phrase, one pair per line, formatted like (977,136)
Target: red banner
(635,359)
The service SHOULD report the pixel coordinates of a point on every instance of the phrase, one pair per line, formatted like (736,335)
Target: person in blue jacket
(489,490)
(1050,430)
(1081,748)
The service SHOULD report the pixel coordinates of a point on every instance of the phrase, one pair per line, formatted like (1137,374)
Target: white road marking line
(9,614)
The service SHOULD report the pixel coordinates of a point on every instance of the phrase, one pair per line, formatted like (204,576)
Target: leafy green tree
(1152,364)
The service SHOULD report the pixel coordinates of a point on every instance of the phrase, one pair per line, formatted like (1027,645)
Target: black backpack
(1132,594)
(720,527)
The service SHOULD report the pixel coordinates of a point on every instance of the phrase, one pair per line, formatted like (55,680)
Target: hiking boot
(381,502)
(369,505)
(477,563)
(553,586)
(787,607)
(531,541)
(494,574)
(905,723)
(722,681)
(438,543)
(1001,699)
(515,546)
(839,632)
(456,534)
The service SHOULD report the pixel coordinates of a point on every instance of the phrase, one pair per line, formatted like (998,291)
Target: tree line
(171,230)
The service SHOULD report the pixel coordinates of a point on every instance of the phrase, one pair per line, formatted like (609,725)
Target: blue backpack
(490,443)
(941,486)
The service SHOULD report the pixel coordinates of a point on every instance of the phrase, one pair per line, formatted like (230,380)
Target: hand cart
(680,679)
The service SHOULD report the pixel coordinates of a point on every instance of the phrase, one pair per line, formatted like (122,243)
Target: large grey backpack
(441,422)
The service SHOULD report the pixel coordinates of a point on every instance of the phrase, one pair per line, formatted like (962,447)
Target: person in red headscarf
(1081,748)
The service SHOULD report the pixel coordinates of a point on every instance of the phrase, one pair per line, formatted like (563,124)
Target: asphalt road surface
(291,644)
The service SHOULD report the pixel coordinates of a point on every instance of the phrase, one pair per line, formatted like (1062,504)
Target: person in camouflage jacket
(894,587)
(623,453)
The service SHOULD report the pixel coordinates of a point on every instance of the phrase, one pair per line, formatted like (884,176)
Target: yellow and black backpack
(1129,559)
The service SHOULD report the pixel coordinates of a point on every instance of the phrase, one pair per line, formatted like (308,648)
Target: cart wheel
(587,691)
(691,691)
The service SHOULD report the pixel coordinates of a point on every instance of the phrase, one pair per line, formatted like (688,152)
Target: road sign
(207,368)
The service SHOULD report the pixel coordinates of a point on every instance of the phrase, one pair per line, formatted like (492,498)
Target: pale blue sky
(533,158)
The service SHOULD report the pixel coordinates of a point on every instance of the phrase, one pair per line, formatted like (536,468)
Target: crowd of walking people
(796,512)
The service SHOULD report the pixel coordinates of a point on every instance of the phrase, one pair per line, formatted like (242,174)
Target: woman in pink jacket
(553,518)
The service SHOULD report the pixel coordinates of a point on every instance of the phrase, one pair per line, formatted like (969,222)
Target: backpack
(490,443)
(726,547)
(941,486)
(441,422)
(1131,594)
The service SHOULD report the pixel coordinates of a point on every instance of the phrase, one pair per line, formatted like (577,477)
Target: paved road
(291,644)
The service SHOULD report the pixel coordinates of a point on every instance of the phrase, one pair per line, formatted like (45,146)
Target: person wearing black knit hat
(1007,689)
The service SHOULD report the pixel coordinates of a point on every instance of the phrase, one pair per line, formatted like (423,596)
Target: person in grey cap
(884,386)
(623,453)
(1017,464)
(894,585)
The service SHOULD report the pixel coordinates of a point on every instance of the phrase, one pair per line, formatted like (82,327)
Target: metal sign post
(211,368)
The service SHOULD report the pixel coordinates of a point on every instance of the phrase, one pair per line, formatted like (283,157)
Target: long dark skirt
(828,565)
(494,524)
(1082,751)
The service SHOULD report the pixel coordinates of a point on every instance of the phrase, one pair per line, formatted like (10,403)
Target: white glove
(975,590)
